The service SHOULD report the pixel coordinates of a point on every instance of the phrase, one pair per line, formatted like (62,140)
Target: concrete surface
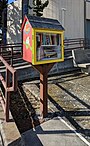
(69,95)
(9,134)
(53,132)
(81,58)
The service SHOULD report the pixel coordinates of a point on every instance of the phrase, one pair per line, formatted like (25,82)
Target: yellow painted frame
(33,46)
(34,61)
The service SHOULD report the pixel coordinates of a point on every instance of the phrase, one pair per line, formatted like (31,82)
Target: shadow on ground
(25,116)
(22,111)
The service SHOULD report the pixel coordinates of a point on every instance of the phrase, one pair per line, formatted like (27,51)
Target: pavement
(53,132)
(9,134)
(69,100)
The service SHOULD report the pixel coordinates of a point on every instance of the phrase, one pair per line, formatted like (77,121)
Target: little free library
(42,40)
(42,47)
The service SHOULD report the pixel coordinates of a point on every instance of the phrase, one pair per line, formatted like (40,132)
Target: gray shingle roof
(45,23)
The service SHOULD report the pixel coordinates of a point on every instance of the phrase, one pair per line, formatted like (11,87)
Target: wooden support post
(43,69)
(43,95)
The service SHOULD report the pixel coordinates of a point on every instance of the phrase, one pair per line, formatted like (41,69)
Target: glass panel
(48,46)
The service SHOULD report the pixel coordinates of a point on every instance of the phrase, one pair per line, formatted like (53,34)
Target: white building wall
(30,11)
(69,12)
(14,19)
(88,10)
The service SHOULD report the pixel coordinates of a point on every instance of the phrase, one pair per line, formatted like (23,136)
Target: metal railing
(11,51)
(71,44)
(9,84)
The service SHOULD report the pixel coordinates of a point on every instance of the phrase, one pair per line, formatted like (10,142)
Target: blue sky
(10,1)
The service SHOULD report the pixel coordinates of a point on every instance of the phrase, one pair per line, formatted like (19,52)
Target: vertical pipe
(85,24)
(63,16)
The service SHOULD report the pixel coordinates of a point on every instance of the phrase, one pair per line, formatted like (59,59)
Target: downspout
(85,25)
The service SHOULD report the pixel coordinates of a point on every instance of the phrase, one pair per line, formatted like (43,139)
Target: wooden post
(43,94)
(43,69)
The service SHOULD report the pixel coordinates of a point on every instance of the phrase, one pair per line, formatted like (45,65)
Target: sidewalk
(68,99)
(9,134)
(55,132)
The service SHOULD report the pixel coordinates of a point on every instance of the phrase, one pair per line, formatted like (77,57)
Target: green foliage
(39,6)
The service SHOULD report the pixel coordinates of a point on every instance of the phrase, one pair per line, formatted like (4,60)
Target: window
(48,46)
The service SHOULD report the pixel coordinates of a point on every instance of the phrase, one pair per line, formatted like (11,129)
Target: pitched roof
(45,23)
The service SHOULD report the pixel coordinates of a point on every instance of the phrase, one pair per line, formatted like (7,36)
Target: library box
(42,40)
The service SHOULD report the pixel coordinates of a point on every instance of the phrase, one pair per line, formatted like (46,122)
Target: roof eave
(24,21)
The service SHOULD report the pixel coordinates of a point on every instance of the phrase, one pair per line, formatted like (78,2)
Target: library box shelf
(42,40)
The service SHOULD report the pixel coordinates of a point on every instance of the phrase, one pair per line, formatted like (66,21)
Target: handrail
(6,84)
(10,46)
(71,44)
(7,65)
(9,51)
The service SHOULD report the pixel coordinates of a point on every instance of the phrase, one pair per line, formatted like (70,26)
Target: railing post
(14,81)
(7,87)
(7,95)
(0,50)
(11,56)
